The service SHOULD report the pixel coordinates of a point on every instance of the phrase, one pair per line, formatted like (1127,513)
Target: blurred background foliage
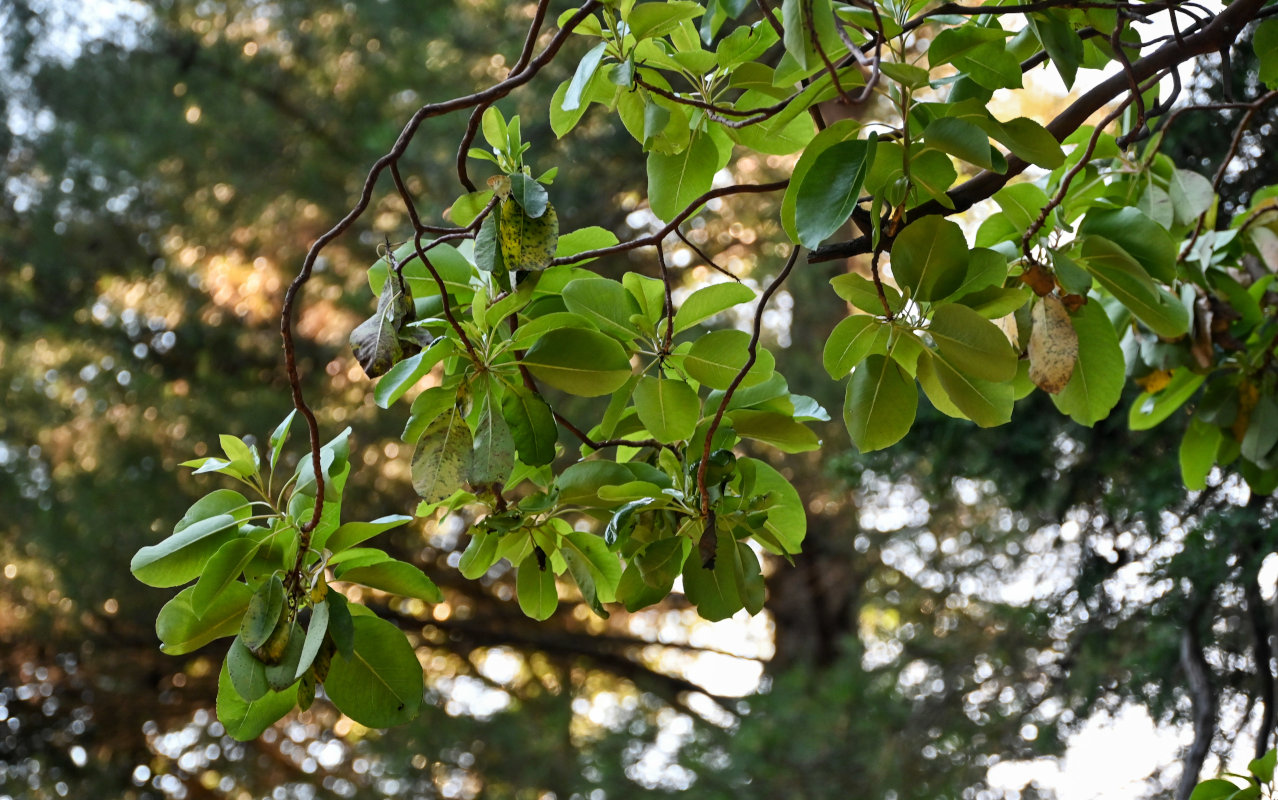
(963,599)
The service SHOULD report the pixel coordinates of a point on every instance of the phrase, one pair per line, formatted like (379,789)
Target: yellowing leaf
(527,243)
(1053,345)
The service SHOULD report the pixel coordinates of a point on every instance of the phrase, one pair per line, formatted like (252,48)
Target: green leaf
(930,258)
(1150,409)
(991,66)
(222,569)
(1198,453)
(781,431)
(248,674)
(427,407)
(1127,281)
(675,180)
(713,591)
(245,720)
(243,459)
(907,75)
(404,375)
(1265,42)
(1139,236)
(1022,203)
(181,557)
(529,194)
(669,409)
(831,188)
(532,425)
(799,20)
(880,404)
(594,568)
(493,458)
(746,572)
(284,673)
(462,212)
(395,577)
(1097,383)
(316,630)
(1263,767)
(787,519)
(851,341)
(279,437)
(860,292)
(1262,431)
(1030,141)
(182,628)
(1191,195)
(479,555)
(972,344)
(535,588)
(1061,42)
(583,362)
(606,303)
(653,20)
(581,77)
(840,131)
(582,240)
(493,126)
(953,43)
(716,358)
(442,459)
(380,683)
(263,613)
(351,534)
(986,403)
(961,139)
(707,301)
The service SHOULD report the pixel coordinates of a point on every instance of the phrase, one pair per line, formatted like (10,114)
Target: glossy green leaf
(395,577)
(716,358)
(480,554)
(535,589)
(669,409)
(1097,383)
(961,139)
(1022,203)
(831,189)
(652,20)
(930,257)
(952,43)
(380,683)
(605,303)
(248,673)
(1138,235)
(1198,453)
(861,292)
(986,403)
(991,66)
(787,519)
(781,431)
(880,404)
(1030,141)
(493,457)
(972,344)
(181,557)
(183,628)
(584,239)
(676,180)
(593,567)
(707,301)
(351,534)
(427,407)
(1191,195)
(441,461)
(1127,281)
(224,567)
(263,613)
(1265,42)
(714,590)
(532,425)
(279,437)
(1262,431)
(583,362)
(404,375)
(851,341)
(572,98)
(1150,409)
(529,194)
(245,720)
(836,133)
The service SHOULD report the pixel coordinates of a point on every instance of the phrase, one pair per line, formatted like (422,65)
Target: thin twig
(753,349)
